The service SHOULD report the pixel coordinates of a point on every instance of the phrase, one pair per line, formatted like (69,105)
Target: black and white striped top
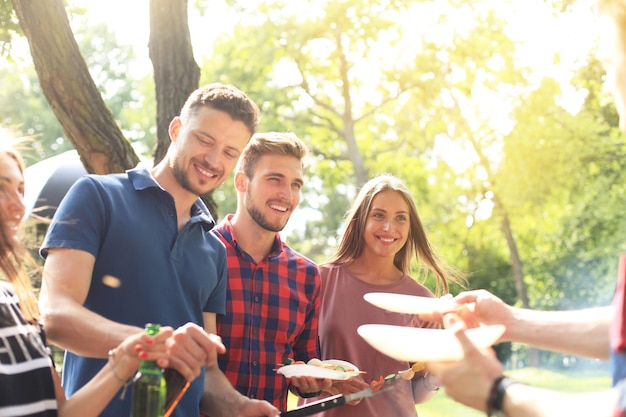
(26,384)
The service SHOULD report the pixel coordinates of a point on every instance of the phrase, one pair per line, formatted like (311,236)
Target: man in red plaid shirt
(273,294)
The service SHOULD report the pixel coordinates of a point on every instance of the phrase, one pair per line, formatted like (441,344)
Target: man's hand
(191,348)
(475,308)
(468,380)
(349,386)
(484,308)
(256,408)
(309,384)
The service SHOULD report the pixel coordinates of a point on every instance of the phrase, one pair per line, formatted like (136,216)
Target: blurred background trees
(517,170)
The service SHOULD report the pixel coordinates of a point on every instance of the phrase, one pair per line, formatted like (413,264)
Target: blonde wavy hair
(13,257)
(417,246)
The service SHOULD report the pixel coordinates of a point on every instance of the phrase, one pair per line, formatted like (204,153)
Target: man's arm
(65,283)
(578,332)
(470,381)
(220,398)
(526,401)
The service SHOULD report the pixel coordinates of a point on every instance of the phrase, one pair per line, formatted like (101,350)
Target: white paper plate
(410,304)
(319,372)
(423,345)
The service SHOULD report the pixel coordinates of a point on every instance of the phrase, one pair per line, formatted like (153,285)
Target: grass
(443,406)
(440,405)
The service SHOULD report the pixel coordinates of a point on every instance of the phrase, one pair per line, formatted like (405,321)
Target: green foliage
(339,70)
(24,107)
(440,100)
(441,405)
(9,27)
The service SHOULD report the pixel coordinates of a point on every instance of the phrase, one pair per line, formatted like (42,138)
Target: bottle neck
(149,366)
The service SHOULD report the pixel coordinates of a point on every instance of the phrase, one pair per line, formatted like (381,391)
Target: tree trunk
(70,90)
(356,157)
(516,262)
(176,73)
(518,275)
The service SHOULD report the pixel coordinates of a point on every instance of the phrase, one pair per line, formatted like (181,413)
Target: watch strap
(496,395)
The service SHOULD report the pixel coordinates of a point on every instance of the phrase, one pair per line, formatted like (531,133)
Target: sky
(530,21)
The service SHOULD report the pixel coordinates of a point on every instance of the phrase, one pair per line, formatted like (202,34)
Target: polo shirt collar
(142,179)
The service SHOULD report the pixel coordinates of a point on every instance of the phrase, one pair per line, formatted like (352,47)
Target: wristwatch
(496,396)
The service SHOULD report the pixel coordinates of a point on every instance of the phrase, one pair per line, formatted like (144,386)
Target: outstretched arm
(470,381)
(577,332)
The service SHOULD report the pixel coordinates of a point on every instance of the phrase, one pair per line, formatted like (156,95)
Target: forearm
(526,401)
(65,284)
(68,325)
(220,398)
(581,332)
(93,397)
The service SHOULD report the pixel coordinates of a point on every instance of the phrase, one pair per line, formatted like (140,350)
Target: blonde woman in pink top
(383,236)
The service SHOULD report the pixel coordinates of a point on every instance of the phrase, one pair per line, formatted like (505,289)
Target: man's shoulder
(294,254)
(104,180)
(223,230)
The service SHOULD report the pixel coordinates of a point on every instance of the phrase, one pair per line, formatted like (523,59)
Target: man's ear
(241,182)
(174,128)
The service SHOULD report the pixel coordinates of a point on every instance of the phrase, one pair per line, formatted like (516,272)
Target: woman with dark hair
(29,383)
(382,236)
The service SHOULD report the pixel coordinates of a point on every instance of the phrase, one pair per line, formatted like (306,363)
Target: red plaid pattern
(271,315)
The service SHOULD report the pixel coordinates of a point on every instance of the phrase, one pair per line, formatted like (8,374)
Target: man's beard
(260,219)
(183,180)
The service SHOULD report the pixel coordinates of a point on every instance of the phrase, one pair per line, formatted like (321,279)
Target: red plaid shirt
(271,315)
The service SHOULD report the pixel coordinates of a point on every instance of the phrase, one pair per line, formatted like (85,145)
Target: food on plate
(315,362)
(377,384)
(332,364)
(339,366)
(408,374)
(332,368)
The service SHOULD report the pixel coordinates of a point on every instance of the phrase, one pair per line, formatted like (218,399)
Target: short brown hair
(226,98)
(270,143)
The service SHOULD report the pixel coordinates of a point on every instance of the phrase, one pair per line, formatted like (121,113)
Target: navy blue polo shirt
(129,223)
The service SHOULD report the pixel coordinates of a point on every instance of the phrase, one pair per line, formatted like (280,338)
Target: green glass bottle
(149,387)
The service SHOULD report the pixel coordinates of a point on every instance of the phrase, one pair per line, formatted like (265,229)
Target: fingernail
(143,355)
(137,348)
(150,341)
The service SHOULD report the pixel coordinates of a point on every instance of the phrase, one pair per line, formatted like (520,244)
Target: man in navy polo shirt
(127,249)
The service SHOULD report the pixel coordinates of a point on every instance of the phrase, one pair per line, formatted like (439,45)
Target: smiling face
(207,147)
(11,199)
(387,225)
(273,193)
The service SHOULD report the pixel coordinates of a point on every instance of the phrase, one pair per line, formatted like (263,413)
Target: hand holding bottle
(126,357)
(149,387)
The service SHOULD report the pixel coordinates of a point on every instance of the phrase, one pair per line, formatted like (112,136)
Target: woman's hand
(127,356)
